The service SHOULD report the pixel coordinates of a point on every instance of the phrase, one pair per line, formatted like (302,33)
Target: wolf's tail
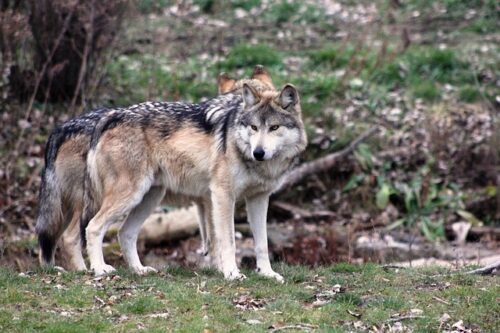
(49,223)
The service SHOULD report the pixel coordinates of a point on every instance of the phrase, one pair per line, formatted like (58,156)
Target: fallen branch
(396,319)
(300,212)
(440,300)
(324,163)
(490,269)
(304,327)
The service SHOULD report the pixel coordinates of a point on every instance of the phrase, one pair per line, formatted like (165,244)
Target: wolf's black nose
(259,153)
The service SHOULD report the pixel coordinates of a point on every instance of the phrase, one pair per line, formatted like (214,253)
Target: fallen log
(494,268)
(161,227)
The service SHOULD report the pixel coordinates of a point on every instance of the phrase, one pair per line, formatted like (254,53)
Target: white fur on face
(279,143)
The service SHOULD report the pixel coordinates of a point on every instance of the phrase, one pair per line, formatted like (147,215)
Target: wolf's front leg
(223,223)
(257,217)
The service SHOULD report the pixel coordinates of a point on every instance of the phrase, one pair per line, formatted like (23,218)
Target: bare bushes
(52,49)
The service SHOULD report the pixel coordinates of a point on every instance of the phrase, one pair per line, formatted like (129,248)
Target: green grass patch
(186,300)
(139,78)
(247,56)
(426,90)
(424,64)
(140,305)
(293,11)
(423,71)
(469,94)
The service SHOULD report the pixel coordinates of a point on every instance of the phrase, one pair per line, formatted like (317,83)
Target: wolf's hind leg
(117,203)
(72,243)
(202,223)
(208,238)
(257,217)
(129,231)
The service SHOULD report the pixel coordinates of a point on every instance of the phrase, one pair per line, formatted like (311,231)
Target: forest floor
(426,185)
(338,298)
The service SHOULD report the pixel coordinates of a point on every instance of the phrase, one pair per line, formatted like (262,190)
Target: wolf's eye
(274,128)
(253,127)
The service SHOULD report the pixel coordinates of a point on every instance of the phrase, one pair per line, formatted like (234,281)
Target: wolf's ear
(289,96)
(225,83)
(261,74)
(250,96)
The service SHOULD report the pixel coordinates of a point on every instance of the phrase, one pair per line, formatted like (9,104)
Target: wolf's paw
(102,270)
(79,268)
(202,250)
(234,275)
(271,274)
(144,270)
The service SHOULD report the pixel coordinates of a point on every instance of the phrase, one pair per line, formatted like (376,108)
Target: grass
(247,56)
(184,300)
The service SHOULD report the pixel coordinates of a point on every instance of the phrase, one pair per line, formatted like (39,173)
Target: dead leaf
(246,302)
(444,318)
(354,314)
(159,315)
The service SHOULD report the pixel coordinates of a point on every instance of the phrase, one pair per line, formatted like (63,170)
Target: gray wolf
(234,146)
(61,192)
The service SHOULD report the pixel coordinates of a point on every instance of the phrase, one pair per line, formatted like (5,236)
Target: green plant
(332,57)
(426,90)
(426,202)
(423,200)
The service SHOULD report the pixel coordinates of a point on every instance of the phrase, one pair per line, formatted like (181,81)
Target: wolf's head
(270,125)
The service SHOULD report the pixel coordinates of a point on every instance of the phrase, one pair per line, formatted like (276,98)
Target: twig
(392,320)
(326,162)
(304,327)
(440,300)
(490,269)
(296,211)
(387,267)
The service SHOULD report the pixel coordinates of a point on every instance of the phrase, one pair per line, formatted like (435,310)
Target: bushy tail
(49,223)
